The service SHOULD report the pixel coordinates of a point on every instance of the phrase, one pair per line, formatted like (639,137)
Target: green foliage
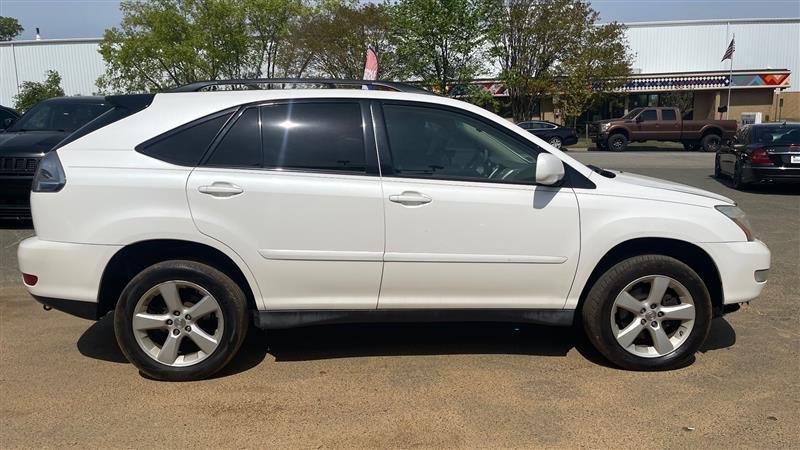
(483,98)
(9,28)
(441,41)
(32,92)
(342,31)
(555,45)
(681,100)
(164,43)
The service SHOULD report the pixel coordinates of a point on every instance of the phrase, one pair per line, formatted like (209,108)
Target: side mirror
(7,123)
(549,169)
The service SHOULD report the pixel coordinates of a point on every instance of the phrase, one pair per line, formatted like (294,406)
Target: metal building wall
(76,60)
(691,46)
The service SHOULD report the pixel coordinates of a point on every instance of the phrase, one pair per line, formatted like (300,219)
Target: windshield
(59,116)
(632,113)
(777,134)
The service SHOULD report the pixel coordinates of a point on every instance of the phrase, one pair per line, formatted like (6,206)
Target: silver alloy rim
(172,311)
(653,316)
(617,144)
(555,142)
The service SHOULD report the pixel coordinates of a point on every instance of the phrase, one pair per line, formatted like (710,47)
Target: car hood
(656,183)
(600,122)
(25,143)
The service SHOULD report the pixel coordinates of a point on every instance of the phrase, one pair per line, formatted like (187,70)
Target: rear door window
(668,115)
(324,136)
(241,145)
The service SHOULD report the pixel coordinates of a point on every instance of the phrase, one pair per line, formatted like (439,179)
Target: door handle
(410,198)
(221,189)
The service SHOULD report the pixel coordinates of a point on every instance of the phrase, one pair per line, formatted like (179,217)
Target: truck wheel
(648,312)
(712,143)
(617,142)
(180,320)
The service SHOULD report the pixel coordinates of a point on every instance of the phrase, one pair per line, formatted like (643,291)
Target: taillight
(574,132)
(759,156)
(49,175)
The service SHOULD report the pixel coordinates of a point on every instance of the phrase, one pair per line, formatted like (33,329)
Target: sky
(58,19)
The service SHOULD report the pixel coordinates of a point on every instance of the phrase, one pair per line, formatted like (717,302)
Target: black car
(761,153)
(554,134)
(32,135)
(7,117)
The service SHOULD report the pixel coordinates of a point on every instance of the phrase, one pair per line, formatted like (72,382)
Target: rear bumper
(68,274)
(570,140)
(741,265)
(756,174)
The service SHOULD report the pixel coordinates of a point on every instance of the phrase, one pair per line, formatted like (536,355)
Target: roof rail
(331,83)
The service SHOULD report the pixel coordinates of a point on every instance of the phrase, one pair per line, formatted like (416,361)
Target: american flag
(729,52)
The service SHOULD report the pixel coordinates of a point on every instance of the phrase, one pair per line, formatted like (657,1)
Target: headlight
(50,174)
(738,217)
(604,127)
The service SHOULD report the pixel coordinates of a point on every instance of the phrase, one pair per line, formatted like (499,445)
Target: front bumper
(741,265)
(15,195)
(68,274)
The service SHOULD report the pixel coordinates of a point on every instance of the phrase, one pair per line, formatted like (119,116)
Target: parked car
(554,134)
(191,213)
(32,135)
(661,124)
(761,153)
(7,117)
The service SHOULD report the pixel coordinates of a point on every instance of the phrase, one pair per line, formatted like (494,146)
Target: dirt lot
(64,382)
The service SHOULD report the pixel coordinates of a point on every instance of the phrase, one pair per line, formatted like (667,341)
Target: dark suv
(24,143)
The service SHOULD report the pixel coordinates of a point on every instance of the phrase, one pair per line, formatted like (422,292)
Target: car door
(647,126)
(465,225)
(670,125)
(728,153)
(293,189)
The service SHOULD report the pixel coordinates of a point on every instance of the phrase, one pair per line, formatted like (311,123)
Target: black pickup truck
(32,135)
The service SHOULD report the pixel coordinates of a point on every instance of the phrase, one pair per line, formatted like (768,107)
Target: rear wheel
(555,141)
(617,142)
(711,143)
(180,320)
(649,312)
(717,168)
(736,179)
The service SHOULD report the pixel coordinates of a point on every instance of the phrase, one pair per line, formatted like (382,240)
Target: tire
(736,179)
(604,318)
(555,141)
(203,344)
(711,143)
(717,168)
(617,142)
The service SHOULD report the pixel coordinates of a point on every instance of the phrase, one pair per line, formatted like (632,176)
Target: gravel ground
(64,382)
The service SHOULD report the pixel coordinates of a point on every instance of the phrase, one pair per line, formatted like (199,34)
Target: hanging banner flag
(371,67)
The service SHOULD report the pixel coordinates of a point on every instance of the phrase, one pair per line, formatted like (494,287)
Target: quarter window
(186,145)
(440,144)
(314,136)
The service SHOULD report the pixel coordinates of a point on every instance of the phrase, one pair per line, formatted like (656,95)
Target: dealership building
(674,63)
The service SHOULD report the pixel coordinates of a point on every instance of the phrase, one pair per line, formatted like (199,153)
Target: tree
(483,98)
(9,28)
(164,43)
(541,45)
(32,92)
(342,31)
(441,41)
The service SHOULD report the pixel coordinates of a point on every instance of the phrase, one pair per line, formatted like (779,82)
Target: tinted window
(649,114)
(313,136)
(668,114)
(5,115)
(434,143)
(59,116)
(241,145)
(777,134)
(186,145)
(535,126)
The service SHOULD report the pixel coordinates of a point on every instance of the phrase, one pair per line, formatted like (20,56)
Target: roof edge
(711,21)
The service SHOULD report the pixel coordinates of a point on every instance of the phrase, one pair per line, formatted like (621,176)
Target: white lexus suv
(191,215)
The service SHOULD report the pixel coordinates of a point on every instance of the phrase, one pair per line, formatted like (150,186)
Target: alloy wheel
(555,142)
(178,323)
(653,316)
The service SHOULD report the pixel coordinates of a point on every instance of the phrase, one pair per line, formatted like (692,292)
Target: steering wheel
(481,164)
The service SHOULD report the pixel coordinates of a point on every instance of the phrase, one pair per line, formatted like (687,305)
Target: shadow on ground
(364,340)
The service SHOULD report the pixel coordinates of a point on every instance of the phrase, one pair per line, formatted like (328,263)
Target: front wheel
(617,142)
(649,312)
(180,320)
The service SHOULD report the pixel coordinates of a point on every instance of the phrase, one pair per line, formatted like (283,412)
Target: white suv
(192,214)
